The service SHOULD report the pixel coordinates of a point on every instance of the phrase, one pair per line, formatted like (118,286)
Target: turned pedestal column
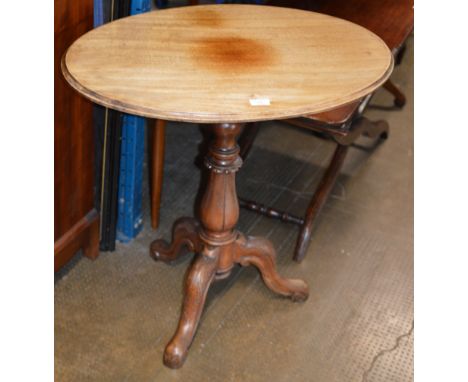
(217,243)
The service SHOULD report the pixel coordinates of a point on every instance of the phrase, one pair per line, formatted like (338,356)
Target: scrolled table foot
(197,283)
(174,357)
(185,235)
(261,253)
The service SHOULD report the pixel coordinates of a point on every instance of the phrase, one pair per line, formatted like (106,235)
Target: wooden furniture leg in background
(247,138)
(318,200)
(315,206)
(400,54)
(344,138)
(217,243)
(400,99)
(157,169)
(362,126)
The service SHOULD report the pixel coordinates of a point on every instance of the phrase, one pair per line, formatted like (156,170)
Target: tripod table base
(206,268)
(217,244)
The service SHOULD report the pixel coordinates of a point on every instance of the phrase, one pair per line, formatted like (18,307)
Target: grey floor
(114,315)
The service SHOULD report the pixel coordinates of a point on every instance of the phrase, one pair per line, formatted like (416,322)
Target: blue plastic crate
(130,218)
(140,6)
(98,13)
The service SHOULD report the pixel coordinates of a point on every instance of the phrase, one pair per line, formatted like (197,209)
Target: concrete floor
(114,316)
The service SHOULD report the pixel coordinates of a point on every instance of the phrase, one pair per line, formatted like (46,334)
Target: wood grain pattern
(206,63)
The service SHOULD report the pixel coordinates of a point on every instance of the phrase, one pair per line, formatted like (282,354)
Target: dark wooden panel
(392,20)
(83,235)
(73,132)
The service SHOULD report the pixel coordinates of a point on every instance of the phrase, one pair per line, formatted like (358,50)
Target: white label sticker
(259,101)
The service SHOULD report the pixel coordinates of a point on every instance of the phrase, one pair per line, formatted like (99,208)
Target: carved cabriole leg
(197,283)
(260,252)
(185,235)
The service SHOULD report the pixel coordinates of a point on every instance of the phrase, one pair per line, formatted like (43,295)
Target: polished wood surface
(217,243)
(76,222)
(227,63)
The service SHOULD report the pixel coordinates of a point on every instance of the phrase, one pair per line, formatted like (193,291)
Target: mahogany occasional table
(224,65)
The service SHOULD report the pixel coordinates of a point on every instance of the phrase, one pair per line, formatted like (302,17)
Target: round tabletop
(227,63)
